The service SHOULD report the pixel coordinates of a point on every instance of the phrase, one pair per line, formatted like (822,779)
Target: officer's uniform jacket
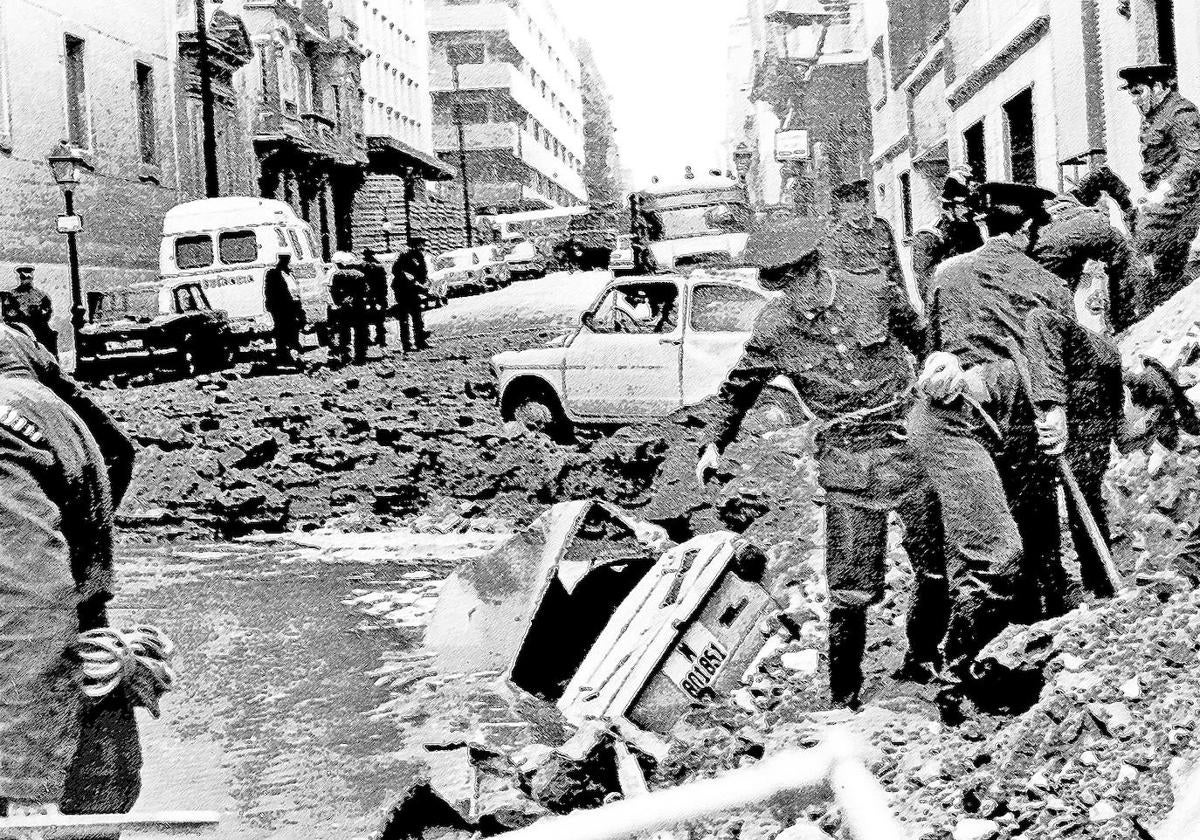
(377,285)
(933,246)
(979,309)
(410,274)
(348,288)
(862,249)
(1170,139)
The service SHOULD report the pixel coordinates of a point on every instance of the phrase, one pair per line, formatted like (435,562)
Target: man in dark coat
(840,337)
(858,241)
(34,308)
(980,432)
(281,295)
(410,279)
(348,290)
(956,232)
(377,293)
(1169,217)
(56,748)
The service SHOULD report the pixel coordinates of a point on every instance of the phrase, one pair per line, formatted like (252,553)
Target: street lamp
(66,165)
(457,57)
(743,156)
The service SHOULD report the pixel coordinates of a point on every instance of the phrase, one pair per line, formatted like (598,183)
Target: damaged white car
(645,348)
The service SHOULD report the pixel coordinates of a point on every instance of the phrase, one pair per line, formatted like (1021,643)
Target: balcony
(511,138)
(502,76)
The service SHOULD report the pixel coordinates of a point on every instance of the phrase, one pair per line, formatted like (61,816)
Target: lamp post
(462,153)
(66,166)
(212,186)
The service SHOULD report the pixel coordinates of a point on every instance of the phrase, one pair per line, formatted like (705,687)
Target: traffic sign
(70,224)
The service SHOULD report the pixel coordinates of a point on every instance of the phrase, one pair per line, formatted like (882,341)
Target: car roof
(234,211)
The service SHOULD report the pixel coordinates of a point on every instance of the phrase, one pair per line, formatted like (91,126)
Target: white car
(622,256)
(646,347)
(470,270)
(523,258)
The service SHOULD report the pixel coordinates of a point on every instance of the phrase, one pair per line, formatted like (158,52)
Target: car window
(239,246)
(297,245)
(724,308)
(648,308)
(281,237)
(194,252)
(443,263)
(312,242)
(475,258)
(135,304)
(184,302)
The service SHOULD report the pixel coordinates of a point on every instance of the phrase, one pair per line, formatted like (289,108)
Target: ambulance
(228,245)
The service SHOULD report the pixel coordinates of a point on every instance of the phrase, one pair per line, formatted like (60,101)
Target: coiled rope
(109,657)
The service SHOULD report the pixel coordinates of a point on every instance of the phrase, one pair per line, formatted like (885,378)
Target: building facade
(506,77)
(99,75)
(1023,90)
(601,157)
(797,115)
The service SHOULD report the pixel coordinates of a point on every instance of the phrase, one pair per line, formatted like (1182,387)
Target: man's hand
(1158,195)
(1052,431)
(942,379)
(710,459)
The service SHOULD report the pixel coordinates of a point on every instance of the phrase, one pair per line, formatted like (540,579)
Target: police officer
(1169,217)
(857,240)
(348,289)
(377,292)
(281,295)
(410,279)
(980,432)
(838,336)
(956,232)
(34,309)
(60,751)
(1077,233)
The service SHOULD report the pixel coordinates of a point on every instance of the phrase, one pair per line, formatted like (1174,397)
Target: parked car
(645,348)
(149,327)
(470,270)
(621,261)
(524,260)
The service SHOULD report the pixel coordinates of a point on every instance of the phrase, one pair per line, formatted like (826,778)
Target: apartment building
(508,72)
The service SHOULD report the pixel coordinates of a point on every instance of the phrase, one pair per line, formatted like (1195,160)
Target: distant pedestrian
(857,240)
(410,283)
(956,231)
(34,309)
(377,294)
(282,298)
(1169,216)
(348,289)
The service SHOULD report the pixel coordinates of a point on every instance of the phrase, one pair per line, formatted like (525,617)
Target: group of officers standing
(965,417)
(359,301)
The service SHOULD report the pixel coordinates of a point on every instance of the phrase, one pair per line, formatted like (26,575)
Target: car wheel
(537,412)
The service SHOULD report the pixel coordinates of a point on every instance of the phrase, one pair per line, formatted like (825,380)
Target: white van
(228,244)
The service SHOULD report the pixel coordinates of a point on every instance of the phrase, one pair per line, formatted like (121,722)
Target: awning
(392,156)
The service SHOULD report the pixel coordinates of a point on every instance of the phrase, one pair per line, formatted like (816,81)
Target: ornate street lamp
(743,156)
(67,166)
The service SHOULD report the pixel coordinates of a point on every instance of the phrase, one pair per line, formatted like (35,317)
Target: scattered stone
(976,829)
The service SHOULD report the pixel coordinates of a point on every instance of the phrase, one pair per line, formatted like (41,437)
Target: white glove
(1052,431)
(1158,195)
(942,378)
(710,459)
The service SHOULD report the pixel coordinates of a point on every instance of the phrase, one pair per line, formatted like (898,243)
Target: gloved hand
(1052,431)
(942,378)
(1158,195)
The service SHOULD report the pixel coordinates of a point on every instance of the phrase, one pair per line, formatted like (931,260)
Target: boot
(847,641)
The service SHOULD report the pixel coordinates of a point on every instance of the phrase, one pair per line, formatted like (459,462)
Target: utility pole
(212,186)
(462,159)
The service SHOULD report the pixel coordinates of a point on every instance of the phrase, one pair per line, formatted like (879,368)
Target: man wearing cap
(348,290)
(956,232)
(281,294)
(410,282)
(34,309)
(377,292)
(1170,215)
(840,337)
(992,394)
(857,240)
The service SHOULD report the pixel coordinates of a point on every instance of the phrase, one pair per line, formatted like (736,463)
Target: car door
(611,373)
(720,319)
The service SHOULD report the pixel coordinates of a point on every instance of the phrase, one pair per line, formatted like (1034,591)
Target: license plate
(131,344)
(696,662)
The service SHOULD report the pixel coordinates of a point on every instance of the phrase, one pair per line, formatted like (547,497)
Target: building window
(470,53)
(473,113)
(975,149)
(147,130)
(1018,121)
(906,204)
(77,117)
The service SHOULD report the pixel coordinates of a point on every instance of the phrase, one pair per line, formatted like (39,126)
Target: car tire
(539,413)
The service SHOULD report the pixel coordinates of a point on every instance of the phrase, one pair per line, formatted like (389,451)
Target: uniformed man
(857,240)
(1169,216)
(59,751)
(1078,233)
(377,291)
(348,290)
(980,432)
(410,283)
(840,337)
(281,295)
(34,308)
(956,232)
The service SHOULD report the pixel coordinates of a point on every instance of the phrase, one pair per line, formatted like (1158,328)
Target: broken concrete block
(974,829)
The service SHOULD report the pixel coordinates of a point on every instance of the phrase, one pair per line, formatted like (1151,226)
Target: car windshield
(443,263)
(128,304)
(700,213)
(637,308)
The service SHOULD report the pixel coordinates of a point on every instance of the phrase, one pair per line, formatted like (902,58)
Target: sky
(664,62)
